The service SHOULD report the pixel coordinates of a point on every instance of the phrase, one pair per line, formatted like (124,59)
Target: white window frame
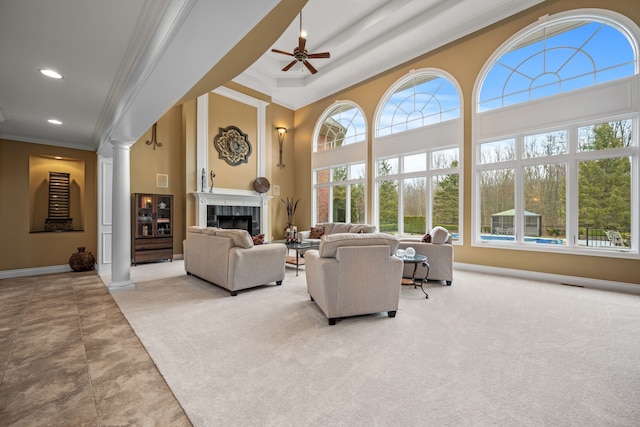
(604,102)
(346,155)
(435,137)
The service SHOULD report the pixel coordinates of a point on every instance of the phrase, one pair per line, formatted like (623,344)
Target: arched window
(420,100)
(339,165)
(555,155)
(417,155)
(561,56)
(343,125)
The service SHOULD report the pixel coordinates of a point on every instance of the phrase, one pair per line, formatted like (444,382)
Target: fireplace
(242,217)
(221,202)
(242,222)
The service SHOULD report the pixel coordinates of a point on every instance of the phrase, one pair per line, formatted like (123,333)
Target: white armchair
(353,274)
(439,255)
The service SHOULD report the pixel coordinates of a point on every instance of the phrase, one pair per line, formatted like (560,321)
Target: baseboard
(35,271)
(52,269)
(583,282)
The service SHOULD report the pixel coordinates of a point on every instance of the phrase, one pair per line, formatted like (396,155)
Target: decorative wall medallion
(233,146)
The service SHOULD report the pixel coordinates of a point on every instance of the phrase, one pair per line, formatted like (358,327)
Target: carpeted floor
(488,350)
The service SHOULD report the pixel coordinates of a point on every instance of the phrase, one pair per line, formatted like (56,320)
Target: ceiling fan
(300,53)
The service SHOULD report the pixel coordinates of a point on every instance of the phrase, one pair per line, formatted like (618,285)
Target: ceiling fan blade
(319,55)
(310,67)
(301,44)
(282,52)
(290,64)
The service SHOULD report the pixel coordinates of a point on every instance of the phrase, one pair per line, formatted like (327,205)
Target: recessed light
(51,73)
(54,122)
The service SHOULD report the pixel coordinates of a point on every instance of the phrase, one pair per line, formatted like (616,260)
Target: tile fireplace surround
(233,202)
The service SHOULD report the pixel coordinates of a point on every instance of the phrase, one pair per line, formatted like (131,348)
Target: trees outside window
(417,155)
(555,136)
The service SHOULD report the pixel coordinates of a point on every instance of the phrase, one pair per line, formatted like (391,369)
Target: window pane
(388,206)
(358,209)
(322,204)
(497,151)
(604,200)
(445,190)
(545,203)
(387,167)
(420,101)
(496,202)
(415,163)
(322,176)
(339,173)
(415,206)
(444,159)
(555,58)
(357,171)
(344,125)
(604,136)
(545,144)
(339,203)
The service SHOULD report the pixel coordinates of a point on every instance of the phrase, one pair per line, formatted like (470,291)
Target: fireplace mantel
(231,197)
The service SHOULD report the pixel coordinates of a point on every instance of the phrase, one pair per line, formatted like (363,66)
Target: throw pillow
(426,238)
(439,235)
(258,240)
(316,232)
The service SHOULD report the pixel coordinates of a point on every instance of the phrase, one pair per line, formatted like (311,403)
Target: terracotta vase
(81,260)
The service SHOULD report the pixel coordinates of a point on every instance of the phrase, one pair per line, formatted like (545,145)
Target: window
(417,154)
(558,173)
(343,125)
(561,56)
(339,165)
(418,101)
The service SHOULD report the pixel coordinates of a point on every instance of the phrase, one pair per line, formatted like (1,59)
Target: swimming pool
(527,239)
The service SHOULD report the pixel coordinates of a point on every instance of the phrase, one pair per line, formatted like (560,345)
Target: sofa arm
(255,266)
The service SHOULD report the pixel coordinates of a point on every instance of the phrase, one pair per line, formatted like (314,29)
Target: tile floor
(68,357)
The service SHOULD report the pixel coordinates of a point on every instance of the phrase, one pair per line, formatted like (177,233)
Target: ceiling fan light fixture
(51,73)
(300,53)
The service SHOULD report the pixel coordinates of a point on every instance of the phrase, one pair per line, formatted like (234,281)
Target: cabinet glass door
(165,228)
(144,226)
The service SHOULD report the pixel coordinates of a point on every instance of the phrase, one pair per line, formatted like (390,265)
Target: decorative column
(121,217)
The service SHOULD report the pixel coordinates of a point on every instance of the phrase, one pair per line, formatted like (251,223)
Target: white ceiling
(126,62)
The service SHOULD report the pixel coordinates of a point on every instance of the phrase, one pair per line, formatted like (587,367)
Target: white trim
(605,285)
(36,271)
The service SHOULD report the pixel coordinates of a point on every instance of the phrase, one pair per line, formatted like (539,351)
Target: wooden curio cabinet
(152,223)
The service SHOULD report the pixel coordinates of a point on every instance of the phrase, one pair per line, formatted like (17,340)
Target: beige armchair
(353,274)
(439,256)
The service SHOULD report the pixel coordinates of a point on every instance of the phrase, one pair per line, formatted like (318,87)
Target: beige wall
(464,59)
(169,159)
(21,248)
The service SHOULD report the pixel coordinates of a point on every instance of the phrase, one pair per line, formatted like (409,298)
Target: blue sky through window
(557,58)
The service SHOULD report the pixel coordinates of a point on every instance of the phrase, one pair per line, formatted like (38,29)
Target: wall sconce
(281,131)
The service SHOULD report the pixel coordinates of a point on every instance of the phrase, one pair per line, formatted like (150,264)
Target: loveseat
(229,258)
(328,228)
(353,274)
(439,253)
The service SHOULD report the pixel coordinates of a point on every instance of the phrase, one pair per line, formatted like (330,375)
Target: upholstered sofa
(439,254)
(353,274)
(229,258)
(327,228)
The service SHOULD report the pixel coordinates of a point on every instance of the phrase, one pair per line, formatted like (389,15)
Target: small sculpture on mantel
(211,176)
(203,179)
